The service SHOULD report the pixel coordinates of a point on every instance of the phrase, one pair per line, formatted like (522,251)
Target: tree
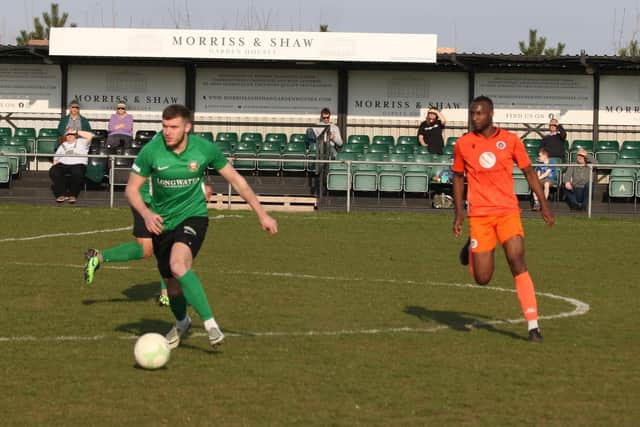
(324,28)
(623,48)
(632,50)
(40,31)
(537,46)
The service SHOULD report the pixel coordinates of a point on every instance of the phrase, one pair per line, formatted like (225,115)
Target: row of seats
(413,173)
(605,151)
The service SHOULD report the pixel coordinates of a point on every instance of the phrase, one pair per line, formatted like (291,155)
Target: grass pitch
(342,319)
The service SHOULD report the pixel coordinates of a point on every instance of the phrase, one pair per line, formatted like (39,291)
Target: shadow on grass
(457,321)
(141,292)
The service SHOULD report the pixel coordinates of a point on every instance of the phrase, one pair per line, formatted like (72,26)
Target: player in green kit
(130,251)
(178,217)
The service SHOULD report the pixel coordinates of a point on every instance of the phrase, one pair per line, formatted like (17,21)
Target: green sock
(124,252)
(163,286)
(194,293)
(178,306)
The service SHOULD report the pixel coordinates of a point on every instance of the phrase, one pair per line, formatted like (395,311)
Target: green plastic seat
(358,139)
(206,135)
(280,138)
(338,177)
(294,151)
(365,175)
(7,132)
(298,137)
(383,139)
(408,140)
(48,133)
(269,150)
(246,150)
(622,180)
(391,177)
(452,140)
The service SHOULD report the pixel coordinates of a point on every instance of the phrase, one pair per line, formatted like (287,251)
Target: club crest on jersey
(487,160)
(501,145)
(193,165)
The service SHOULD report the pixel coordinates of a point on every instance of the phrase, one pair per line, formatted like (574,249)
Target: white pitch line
(580,308)
(78,233)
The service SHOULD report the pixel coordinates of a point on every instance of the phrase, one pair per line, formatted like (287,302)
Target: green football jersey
(178,179)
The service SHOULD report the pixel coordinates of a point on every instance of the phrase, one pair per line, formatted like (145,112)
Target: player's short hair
(484,99)
(177,110)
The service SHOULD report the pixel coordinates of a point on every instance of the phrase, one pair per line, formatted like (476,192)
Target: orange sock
(527,296)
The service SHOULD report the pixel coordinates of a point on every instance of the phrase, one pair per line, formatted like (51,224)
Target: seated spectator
(67,173)
(554,142)
(73,120)
(332,134)
(430,131)
(547,174)
(120,128)
(577,187)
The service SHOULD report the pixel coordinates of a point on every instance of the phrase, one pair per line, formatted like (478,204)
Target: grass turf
(339,320)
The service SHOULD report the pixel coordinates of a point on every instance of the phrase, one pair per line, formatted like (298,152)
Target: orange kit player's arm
(458,199)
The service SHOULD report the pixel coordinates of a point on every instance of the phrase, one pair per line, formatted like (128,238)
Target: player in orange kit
(487,156)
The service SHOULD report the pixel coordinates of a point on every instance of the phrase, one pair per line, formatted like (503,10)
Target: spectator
(73,120)
(120,128)
(547,175)
(430,131)
(577,186)
(554,142)
(67,173)
(333,136)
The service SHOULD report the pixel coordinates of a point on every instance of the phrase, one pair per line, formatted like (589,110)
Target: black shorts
(191,232)
(139,228)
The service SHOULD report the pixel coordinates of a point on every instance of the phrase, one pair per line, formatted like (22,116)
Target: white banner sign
(30,88)
(407,95)
(619,100)
(260,45)
(536,98)
(143,89)
(270,92)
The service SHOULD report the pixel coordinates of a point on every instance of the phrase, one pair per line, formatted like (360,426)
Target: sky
(492,26)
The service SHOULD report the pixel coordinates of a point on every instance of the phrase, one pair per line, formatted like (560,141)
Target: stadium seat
(255,137)
(358,139)
(5,170)
(365,175)
(298,137)
(416,175)
(402,149)
(247,150)
(391,177)
(452,140)
(408,140)
(378,148)
(383,139)
(206,135)
(100,133)
(48,133)
(225,147)
(271,150)
(448,150)
(294,151)
(585,144)
(46,145)
(280,138)
(143,136)
(353,148)
(230,137)
(630,145)
(421,149)
(16,156)
(532,143)
(622,180)
(6,132)
(607,152)
(520,183)
(338,177)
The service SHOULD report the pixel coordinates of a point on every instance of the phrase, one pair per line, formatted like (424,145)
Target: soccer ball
(151,351)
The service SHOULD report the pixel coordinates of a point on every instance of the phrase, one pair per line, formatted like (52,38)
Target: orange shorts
(485,229)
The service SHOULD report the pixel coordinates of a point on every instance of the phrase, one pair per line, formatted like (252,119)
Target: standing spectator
(577,186)
(120,128)
(554,142)
(73,120)
(486,157)
(547,175)
(333,136)
(67,173)
(430,131)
